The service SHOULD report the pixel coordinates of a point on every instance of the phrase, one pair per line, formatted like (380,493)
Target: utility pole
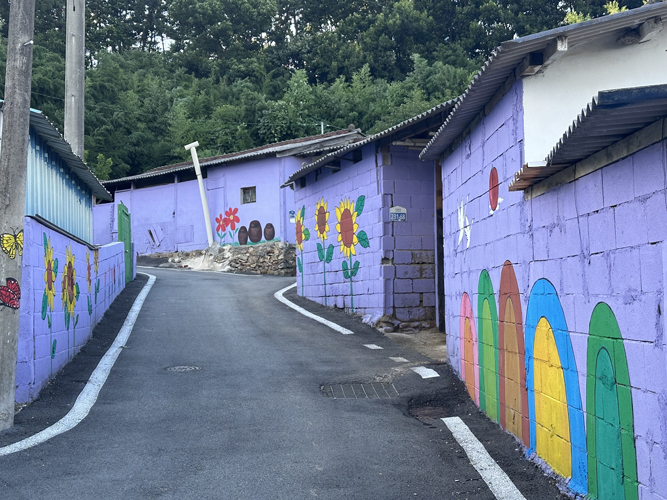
(202,190)
(75,65)
(13,174)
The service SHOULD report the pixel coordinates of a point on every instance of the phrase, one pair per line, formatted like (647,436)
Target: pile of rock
(275,258)
(389,324)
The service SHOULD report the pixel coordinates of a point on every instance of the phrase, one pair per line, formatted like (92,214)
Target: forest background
(235,74)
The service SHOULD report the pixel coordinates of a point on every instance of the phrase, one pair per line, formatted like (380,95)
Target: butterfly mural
(10,294)
(12,243)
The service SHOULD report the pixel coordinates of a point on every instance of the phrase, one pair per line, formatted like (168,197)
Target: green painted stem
(324,264)
(303,267)
(351,290)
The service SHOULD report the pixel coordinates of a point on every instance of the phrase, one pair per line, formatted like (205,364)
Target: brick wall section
(34,365)
(600,239)
(409,183)
(396,275)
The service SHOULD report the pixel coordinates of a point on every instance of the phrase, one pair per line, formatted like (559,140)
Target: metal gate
(125,235)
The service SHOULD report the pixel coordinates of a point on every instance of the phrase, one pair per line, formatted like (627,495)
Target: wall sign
(398,214)
(292,217)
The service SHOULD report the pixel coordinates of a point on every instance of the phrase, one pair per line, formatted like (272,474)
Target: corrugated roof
(55,140)
(503,61)
(610,117)
(401,130)
(305,145)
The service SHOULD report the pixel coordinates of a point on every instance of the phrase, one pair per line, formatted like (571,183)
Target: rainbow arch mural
(521,371)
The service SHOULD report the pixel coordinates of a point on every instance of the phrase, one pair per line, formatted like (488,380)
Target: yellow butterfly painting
(12,243)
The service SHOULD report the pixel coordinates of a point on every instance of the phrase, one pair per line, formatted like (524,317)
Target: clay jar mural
(251,235)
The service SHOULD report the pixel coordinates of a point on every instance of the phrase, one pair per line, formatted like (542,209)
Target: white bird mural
(464,224)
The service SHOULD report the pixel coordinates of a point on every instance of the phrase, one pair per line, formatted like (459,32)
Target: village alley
(250,419)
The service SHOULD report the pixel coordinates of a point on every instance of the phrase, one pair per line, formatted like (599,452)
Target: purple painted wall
(396,265)
(555,305)
(168,217)
(48,317)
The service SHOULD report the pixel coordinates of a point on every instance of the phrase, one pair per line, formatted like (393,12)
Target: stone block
(601,229)
(648,170)
(406,299)
(423,285)
(618,182)
(651,267)
(598,274)
(631,224)
(403,286)
(626,270)
(656,215)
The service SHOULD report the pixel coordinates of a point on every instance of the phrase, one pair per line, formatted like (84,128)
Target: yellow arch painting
(552,430)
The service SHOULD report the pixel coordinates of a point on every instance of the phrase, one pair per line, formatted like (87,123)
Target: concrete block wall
(366,292)
(555,308)
(49,337)
(410,183)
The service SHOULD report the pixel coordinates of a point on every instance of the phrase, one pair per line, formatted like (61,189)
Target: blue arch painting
(544,303)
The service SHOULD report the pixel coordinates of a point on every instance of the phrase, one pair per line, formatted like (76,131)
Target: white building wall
(555,97)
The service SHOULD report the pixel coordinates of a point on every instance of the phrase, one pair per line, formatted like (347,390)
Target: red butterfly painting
(10,295)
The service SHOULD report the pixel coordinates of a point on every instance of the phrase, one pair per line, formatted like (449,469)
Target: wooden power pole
(13,174)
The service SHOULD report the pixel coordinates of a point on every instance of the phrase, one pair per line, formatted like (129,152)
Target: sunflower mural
(89,280)
(302,234)
(50,275)
(322,228)
(70,294)
(347,213)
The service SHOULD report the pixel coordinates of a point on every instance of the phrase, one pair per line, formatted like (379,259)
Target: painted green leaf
(359,207)
(46,242)
(330,252)
(55,266)
(45,302)
(48,319)
(76,320)
(320,252)
(298,264)
(53,349)
(306,234)
(355,269)
(76,286)
(346,271)
(302,215)
(66,318)
(363,239)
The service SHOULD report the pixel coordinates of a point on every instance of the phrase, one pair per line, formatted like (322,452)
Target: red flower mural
(232,218)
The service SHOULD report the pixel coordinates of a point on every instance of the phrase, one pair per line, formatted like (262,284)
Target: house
(243,187)
(67,282)
(554,223)
(366,224)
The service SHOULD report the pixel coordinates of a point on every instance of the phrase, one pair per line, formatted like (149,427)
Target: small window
(248,195)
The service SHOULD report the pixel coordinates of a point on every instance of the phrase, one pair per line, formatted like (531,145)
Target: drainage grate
(181,369)
(360,391)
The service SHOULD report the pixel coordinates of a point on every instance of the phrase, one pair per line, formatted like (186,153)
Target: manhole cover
(429,412)
(183,369)
(360,391)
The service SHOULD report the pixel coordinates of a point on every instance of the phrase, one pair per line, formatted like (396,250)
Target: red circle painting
(493,188)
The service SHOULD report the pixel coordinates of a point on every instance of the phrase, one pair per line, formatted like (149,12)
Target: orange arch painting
(469,352)
(552,429)
(512,367)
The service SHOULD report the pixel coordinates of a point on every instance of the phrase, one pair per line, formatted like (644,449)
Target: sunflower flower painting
(349,237)
(322,229)
(302,234)
(70,294)
(50,275)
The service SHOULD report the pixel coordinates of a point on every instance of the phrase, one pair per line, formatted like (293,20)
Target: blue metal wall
(55,193)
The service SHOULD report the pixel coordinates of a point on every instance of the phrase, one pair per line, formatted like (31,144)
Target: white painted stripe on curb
(399,360)
(89,394)
(425,372)
(279,295)
(500,485)
(372,346)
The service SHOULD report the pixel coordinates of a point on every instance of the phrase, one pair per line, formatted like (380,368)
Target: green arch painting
(487,333)
(612,457)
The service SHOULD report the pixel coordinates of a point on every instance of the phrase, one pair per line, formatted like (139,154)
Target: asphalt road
(252,422)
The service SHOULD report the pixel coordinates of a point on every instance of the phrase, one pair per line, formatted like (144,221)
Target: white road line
(279,295)
(89,394)
(500,485)
(399,360)
(225,273)
(425,372)
(372,346)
